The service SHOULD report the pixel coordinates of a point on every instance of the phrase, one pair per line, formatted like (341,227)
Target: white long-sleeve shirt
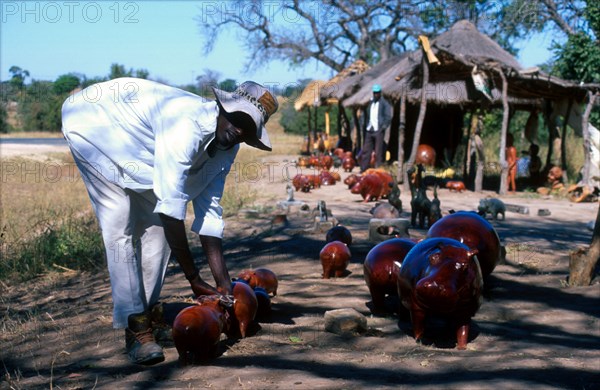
(143,135)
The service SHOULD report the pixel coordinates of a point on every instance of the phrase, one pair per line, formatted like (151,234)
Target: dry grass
(46,216)
(33,134)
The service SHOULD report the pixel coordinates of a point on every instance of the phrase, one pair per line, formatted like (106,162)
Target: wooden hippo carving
(325,162)
(260,277)
(245,306)
(455,185)
(379,269)
(351,180)
(473,231)
(442,277)
(370,187)
(348,164)
(197,329)
(301,183)
(327,178)
(339,233)
(335,257)
(264,302)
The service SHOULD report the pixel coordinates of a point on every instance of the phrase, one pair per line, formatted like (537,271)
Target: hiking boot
(139,341)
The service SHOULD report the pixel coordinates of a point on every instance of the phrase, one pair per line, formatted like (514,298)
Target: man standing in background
(378,119)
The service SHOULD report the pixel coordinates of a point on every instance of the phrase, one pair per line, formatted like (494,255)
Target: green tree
(18,76)
(65,84)
(118,70)
(3,118)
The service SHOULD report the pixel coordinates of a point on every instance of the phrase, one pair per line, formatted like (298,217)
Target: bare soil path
(531,331)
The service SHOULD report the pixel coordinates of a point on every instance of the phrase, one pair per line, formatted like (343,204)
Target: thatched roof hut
(459,50)
(460,71)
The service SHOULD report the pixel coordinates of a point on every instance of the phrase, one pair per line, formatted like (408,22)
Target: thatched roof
(341,89)
(311,95)
(460,49)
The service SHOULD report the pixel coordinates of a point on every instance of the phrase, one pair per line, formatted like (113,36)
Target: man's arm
(177,240)
(214,253)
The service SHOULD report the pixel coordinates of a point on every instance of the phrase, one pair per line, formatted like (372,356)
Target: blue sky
(51,38)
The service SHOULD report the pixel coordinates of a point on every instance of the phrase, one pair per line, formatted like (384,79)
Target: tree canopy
(337,32)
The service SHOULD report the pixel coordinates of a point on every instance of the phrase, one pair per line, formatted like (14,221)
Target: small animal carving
(260,277)
(325,162)
(394,197)
(348,164)
(351,180)
(386,179)
(245,306)
(335,257)
(455,185)
(435,212)
(339,233)
(492,206)
(313,161)
(301,183)
(197,329)
(327,178)
(339,152)
(442,277)
(384,211)
(315,181)
(379,269)
(419,203)
(369,187)
(475,232)
(302,162)
(264,302)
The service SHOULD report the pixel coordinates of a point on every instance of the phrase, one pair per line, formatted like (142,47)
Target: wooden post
(480,151)
(339,119)
(582,262)
(586,138)
(563,143)
(506,113)
(315,123)
(467,159)
(309,145)
(421,117)
(400,174)
(357,129)
(327,122)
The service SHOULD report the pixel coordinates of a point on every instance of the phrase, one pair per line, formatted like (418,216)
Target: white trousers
(137,252)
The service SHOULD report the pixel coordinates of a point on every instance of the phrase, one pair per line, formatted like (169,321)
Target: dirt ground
(530,332)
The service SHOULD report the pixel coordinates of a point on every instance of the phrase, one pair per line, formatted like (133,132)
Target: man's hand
(200,287)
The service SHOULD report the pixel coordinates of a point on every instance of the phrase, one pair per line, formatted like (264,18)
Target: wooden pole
(339,119)
(309,145)
(327,122)
(356,120)
(583,261)
(421,117)
(586,138)
(504,166)
(467,158)
(400,174)
(563,143)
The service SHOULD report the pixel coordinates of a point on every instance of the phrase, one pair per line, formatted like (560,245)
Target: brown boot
(139,341)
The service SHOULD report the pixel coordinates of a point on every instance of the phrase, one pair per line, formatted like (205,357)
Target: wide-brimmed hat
(257,102)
